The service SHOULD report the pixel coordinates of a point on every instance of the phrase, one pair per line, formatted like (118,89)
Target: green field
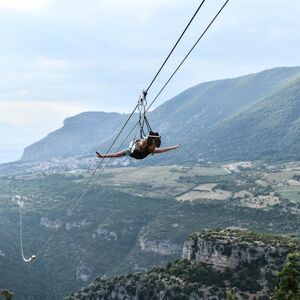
(156,181)
(290,192)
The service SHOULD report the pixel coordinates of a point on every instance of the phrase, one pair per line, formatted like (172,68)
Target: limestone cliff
(229,249)
(212,261)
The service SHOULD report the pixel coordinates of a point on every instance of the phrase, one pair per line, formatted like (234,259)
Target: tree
(8,295)
(229,295)
(289,285)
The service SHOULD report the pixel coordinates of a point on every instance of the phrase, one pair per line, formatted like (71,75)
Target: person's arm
(111,155)
(162,150)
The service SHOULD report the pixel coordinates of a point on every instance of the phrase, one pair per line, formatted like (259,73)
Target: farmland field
(291,193)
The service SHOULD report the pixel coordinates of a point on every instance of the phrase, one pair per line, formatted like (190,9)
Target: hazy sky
(61,57)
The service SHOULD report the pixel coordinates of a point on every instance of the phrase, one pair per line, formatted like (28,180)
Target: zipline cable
(87,185)
(181,63)
(103,168)
(175,45)
(184,59)
(101,171)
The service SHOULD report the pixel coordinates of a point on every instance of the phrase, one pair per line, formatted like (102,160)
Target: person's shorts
(130,149)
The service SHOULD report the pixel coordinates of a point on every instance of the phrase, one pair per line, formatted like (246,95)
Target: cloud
(32,6)
(63,64)
(54,63)
(37,115)
(48,76)
(25,122)
(142,10)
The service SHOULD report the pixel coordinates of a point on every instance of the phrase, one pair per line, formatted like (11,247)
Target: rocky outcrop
(83,272)
(45,222)
(223,251)
(77,225)
(103,233)
(165,247)
(213,261)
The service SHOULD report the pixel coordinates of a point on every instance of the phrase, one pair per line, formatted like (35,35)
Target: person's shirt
(138,153)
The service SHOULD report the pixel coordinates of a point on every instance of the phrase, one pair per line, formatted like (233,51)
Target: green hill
(269,128)
(210,120)
(78,135)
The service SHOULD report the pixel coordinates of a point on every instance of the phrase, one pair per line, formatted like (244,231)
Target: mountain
(212,261)
(78,135)
(269,128)
(221,120)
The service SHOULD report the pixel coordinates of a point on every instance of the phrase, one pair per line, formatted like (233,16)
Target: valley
(133,218)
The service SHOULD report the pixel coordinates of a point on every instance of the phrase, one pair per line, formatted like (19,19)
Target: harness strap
(147,124)
(142,103)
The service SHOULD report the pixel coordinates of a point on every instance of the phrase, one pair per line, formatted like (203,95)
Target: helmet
(154,137)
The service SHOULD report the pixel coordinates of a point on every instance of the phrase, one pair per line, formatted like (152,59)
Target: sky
(62,57)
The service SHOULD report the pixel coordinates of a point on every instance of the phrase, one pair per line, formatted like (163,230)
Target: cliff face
(212,262)
(227,249)
(160,247)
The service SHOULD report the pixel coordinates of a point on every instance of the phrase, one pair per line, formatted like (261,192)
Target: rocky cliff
(229,249)
(212,261)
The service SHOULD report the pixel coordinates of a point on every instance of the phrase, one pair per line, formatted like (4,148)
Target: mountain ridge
(280,116)
(188,118)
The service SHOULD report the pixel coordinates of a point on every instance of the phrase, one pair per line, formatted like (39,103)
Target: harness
(143,121)
(140,155)
(152,137)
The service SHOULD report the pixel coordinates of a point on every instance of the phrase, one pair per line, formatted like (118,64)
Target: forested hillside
(214,262)
(121,226)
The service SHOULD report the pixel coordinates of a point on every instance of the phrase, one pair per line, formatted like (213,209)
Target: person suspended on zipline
(141,148)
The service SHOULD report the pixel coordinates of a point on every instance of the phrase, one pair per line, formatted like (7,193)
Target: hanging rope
(83,191)
(32,257)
